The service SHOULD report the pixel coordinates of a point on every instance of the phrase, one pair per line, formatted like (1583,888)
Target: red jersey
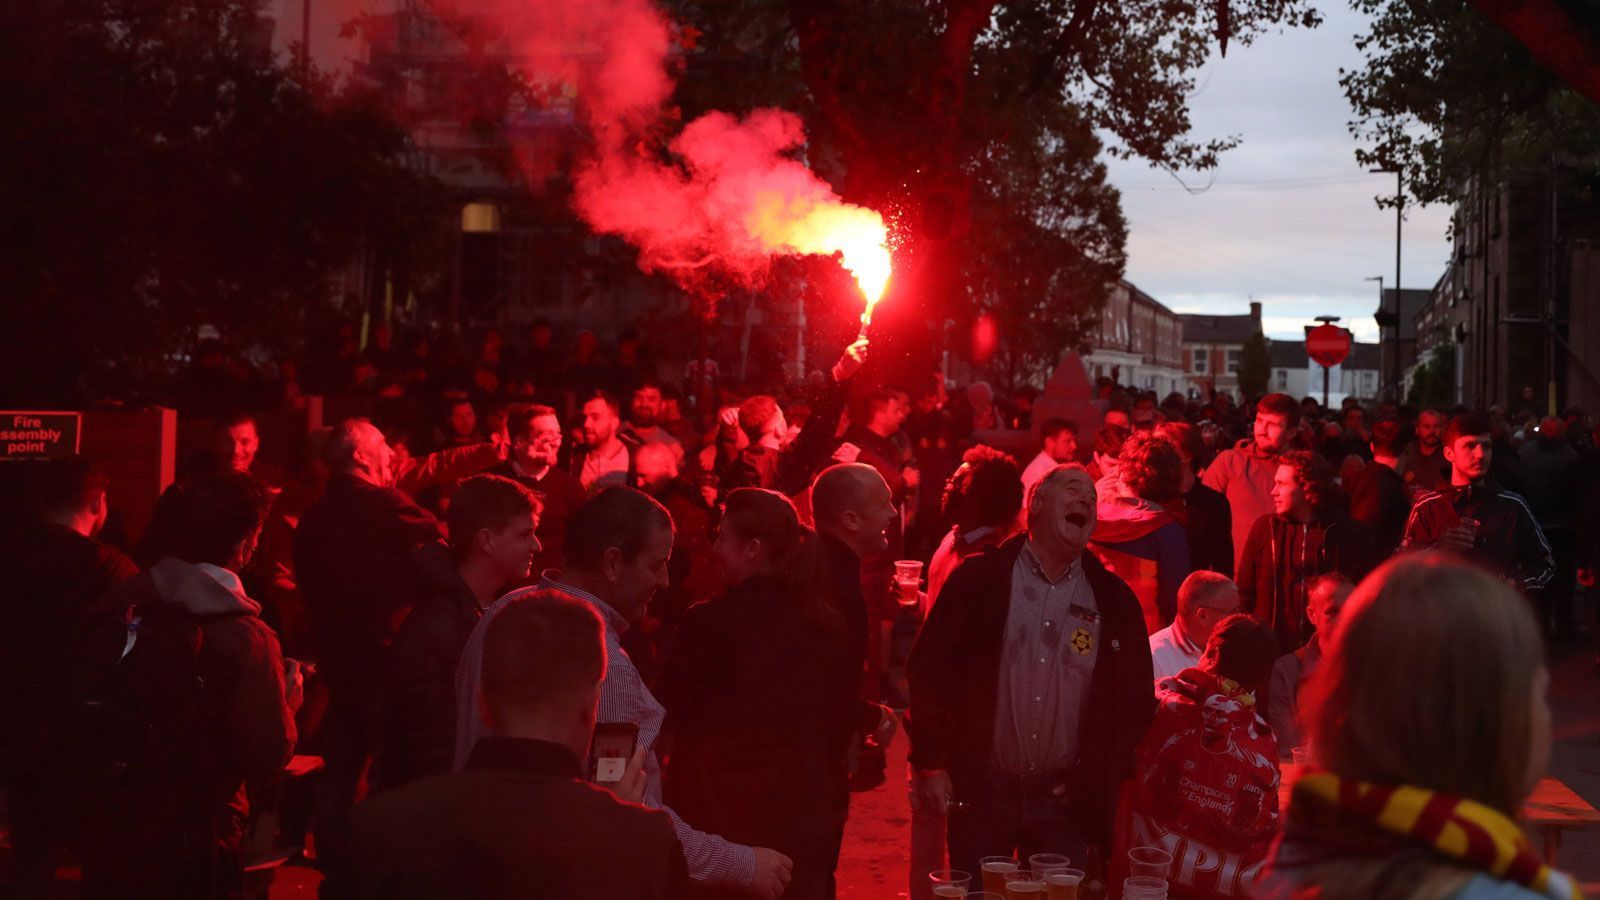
(1207,786)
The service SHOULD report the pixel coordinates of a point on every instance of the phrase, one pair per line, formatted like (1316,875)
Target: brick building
(1519,302)
(1213,347)
(1137,343)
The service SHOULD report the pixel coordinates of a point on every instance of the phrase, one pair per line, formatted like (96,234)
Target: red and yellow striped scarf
(1463,830)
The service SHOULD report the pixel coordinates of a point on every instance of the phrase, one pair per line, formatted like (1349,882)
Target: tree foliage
(978,125)
(1433,384)
(1446,96)
(161,171)
(1255,366)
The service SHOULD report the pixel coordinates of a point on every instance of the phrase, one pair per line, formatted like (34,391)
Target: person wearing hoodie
(1206,789)
(1137,539)
(174,831)
(1245,474)
(1305,535)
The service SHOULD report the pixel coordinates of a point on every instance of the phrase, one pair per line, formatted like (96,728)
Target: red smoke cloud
(727,194)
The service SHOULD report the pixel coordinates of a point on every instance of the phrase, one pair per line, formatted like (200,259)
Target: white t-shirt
(1170,653)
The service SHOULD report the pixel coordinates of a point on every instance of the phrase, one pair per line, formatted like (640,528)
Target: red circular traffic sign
(1328,344)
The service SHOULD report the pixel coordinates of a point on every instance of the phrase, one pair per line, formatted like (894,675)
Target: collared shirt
(1052,639)
(623,698)
(600,472)
(1038,468)
(1171,651)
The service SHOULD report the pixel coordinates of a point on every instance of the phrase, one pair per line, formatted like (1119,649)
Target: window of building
(1198,361)
(1283,379)
(1233,361)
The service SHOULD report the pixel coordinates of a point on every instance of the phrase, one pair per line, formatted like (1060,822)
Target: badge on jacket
(1082,641)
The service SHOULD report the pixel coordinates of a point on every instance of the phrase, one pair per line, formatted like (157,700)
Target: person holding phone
(617,549)
(519,820)
(762,696)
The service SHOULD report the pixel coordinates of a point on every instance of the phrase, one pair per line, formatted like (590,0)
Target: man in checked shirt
(617,546)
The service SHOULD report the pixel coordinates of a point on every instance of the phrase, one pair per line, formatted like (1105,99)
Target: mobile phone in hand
(609,751)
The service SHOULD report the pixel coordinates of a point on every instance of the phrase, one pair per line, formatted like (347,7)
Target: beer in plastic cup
(1301,756)
(907,579)
(1025,885)
(1152,862)
(995,870)
(1062,884)
(950,882)
(1144,887)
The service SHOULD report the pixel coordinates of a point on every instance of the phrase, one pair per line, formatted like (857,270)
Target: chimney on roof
(1255,313)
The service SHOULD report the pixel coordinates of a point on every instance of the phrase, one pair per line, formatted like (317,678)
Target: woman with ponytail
(761,692)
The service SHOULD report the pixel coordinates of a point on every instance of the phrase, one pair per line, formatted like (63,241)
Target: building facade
(1212,349)
(1137,343)
(1517,303)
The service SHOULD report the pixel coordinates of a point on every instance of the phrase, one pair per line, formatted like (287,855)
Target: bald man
(1031,682)
(852,507)
(1204,599)
(365,556)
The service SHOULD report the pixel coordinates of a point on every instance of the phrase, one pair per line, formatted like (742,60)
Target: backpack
(137,711)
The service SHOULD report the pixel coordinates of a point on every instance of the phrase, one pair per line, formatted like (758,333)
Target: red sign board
(39,435)
(1328,345)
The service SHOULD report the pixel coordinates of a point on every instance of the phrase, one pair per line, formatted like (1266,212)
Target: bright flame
(803,225)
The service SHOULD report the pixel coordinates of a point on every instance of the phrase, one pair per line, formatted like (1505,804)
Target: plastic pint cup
(995,871)
(907,579)
(1062,884)
(949,882)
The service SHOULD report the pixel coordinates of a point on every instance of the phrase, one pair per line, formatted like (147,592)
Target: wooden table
(1551,810)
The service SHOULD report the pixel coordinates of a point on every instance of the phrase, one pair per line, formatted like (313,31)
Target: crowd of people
(647,638)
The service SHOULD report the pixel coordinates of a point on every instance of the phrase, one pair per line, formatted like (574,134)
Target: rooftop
(1219,329)
(1289,355)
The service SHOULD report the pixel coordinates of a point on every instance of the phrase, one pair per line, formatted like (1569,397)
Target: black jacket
(1509,543)
(560,494)
(1207,521)
(954,674)
(1282,555)
(761,706)
(419,689)
(515,823)
(1380,501)
(364,555)
(49,576)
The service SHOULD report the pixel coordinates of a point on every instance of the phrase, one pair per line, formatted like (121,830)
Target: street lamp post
(1394,313)
(1380,317)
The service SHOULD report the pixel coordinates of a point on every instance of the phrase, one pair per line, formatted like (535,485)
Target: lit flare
(805,226)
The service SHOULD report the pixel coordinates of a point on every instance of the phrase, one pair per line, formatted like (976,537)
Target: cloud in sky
(1289,217)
